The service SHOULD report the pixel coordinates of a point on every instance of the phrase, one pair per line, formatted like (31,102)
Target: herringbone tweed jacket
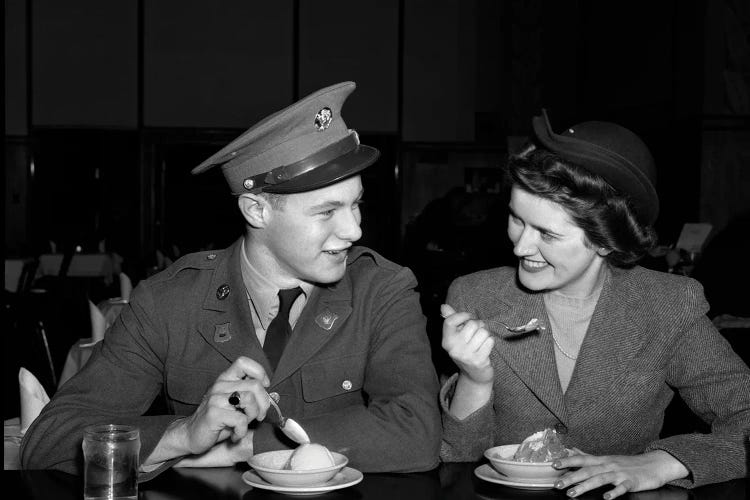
(648,337)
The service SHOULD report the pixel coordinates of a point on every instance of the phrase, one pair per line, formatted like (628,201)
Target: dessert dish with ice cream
(542,446)
(308,465)
(310,457)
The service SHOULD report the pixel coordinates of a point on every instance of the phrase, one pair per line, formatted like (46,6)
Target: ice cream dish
(531,460)
(310,457)
(307,465)
(542,446)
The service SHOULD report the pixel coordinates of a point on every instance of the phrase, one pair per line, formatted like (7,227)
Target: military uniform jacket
(647,338)
(356,373)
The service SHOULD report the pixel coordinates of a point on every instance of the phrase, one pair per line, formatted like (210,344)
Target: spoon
(533,324)
(288,426)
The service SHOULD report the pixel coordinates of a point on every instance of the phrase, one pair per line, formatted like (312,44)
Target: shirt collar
(261,290)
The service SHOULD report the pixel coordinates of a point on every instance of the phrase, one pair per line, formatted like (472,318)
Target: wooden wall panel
(342,40)
(15,68)
(439,71)
(216,64)
(85,63)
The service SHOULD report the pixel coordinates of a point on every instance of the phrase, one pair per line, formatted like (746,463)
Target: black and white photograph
(377,249)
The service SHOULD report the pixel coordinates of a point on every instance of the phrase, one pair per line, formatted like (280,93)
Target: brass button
(248,184)
(346,385)
(222,292)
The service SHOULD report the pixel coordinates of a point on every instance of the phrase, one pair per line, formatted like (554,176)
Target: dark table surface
(450,481)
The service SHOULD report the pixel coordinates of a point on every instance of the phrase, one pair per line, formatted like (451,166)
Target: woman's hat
(611,151)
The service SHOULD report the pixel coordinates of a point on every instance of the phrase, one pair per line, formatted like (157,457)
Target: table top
(449,481)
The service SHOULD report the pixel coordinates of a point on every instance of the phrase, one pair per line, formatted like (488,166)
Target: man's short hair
(277,201)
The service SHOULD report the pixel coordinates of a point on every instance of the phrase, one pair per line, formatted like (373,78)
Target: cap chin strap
(284,173)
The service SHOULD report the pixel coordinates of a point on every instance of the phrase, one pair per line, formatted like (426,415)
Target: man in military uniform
(292,308)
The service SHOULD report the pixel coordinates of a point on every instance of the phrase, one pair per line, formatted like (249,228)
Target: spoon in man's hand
(291,428)
(288,426)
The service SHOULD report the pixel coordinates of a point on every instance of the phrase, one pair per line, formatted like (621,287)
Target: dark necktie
(279,330)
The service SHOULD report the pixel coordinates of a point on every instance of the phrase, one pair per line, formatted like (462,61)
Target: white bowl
(270,466)
(501,459)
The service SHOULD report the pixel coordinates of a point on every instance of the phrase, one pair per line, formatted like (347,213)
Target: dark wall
(114,102)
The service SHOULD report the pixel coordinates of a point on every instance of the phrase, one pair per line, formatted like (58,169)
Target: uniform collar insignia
(326,319)
(222,333)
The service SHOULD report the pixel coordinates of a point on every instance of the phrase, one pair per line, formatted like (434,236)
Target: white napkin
(33,397)
(126,286)
(159,259)
(98,323)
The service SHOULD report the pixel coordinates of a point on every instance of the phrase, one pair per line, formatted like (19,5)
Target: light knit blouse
(569,319)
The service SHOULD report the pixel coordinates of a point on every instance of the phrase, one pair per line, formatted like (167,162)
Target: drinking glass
(110,455)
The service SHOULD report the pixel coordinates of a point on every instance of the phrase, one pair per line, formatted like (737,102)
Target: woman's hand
(627,473)
(469,344)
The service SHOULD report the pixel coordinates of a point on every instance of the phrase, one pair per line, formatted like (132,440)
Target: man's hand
(627,473)
(216,419)
(469,344)
(223,454)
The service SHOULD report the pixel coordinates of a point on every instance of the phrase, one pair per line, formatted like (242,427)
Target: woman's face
(553,252)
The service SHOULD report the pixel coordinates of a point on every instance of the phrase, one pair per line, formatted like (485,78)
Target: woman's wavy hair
(605,216)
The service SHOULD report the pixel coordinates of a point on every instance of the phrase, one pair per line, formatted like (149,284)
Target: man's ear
(254,209)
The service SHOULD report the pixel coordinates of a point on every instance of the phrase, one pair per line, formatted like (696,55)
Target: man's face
(553,252)
(309,236)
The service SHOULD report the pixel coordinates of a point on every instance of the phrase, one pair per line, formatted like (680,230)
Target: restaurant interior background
(108,106)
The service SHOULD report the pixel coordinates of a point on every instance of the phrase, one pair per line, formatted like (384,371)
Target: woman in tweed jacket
(616,340)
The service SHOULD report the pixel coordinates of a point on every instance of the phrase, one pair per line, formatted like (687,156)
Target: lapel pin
(222,333)
(326,319)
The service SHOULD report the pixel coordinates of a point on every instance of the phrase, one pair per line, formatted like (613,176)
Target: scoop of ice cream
(542,446)
(311,456)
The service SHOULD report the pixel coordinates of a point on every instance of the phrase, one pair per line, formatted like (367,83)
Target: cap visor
(329,173)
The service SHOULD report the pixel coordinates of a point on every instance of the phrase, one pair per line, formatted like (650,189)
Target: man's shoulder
(362,258)
(203,262)
(366,267)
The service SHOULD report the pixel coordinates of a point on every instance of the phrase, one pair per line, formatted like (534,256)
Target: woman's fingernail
(556,465)
(572,493)
(559,485)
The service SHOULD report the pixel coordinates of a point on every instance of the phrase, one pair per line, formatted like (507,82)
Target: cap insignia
(323,119)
